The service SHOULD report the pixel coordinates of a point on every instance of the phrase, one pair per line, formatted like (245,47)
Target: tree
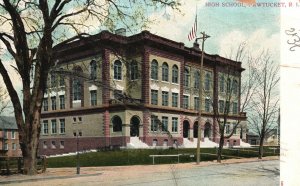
(265,103)
(230,92)
(32,30)
(3,100)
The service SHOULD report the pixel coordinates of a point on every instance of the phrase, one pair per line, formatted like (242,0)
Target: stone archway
(134,126)
(207,130)
(196,129)
(186,128)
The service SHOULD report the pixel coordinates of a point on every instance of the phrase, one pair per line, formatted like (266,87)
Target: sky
(258,28)
(227,26)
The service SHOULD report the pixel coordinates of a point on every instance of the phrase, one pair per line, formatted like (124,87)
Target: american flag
(193,33)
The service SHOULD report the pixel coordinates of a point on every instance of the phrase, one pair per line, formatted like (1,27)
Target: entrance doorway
(196,129)
(207,130)
(186,127)
(134,126)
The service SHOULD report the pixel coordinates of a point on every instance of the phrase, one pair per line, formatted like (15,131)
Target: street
(230,172)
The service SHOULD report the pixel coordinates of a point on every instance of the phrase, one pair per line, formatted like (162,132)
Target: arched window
(186,81)
(117,124)
(207,80)
(174,74)
(77,85)
(165,72)
(235,87)
(61,78)
(197,79)
(53,79)
(118,70)
(154,69)
(222,84)
(93,69)
(133,70)
(228,86)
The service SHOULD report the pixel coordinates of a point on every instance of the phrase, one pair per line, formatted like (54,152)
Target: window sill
(118,80)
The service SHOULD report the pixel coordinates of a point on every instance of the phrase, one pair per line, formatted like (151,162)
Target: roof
(85,46)
(8,122)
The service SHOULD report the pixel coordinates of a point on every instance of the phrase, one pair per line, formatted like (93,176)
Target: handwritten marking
(294,40)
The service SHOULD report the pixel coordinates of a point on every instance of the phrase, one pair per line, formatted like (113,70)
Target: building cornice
(92,45)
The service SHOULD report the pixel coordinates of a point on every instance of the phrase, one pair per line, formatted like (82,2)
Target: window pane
(154,95)
(174,124)
(93,97)
(185,102)
(174,74)
(53,126)
(118,70)
(165,98)
(186,77)
(165,72)
(62,102)
(154,70)
(164,123)
(53,103)
(62,126)
(174,99)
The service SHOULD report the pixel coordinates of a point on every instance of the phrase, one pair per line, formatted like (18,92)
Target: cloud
(255,42)
(173,24)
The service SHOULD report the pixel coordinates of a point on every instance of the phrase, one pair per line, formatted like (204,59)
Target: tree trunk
(30,148)
(261,147)
(221,144)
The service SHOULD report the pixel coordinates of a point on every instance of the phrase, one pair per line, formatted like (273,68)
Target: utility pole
(204,37)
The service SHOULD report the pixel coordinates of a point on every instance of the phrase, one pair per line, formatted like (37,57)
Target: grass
(141,157)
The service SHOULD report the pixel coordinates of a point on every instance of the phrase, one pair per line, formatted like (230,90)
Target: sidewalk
(111,172)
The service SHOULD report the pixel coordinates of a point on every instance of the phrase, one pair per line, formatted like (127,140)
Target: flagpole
(203,38)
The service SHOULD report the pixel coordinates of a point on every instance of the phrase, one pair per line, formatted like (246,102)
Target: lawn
(141,156)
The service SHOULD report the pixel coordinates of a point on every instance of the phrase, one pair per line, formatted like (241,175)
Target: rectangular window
(62,126)
(174,124)
(14,146)
(5,134)
(165,98)
(45,127)
(53,146)
(185,102)
(61,80)
(164,122)
(53,126)
(5,146)
(221,106)
(53,80)
(44,144)
(93,97)
(227,107)
(174,99)
(13,134)
(196,103)
(154,95)
(207,105)
(154,122)
(45,104)
(227,128)
(62,145)
(53,102)
(62,102)
(235,108)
